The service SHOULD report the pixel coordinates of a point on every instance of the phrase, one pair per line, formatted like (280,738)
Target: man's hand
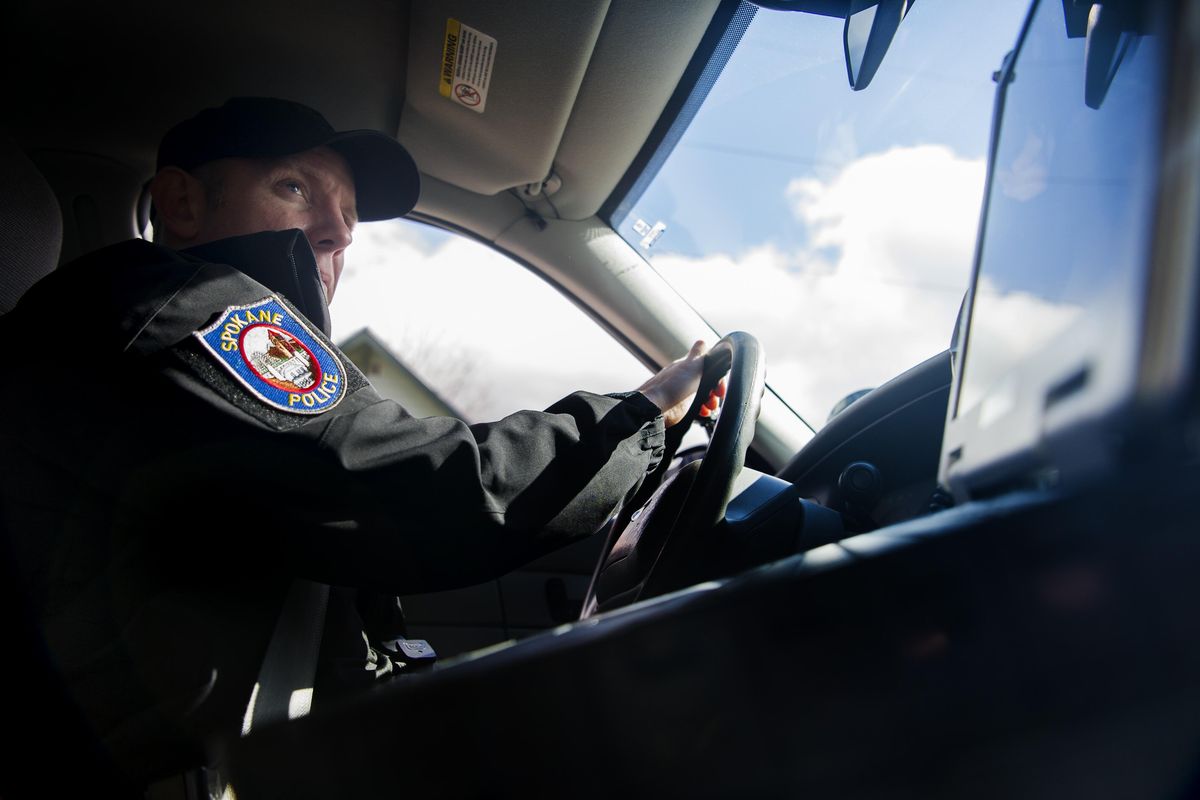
(674,386)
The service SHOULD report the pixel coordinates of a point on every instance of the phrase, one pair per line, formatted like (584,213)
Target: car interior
(955,587)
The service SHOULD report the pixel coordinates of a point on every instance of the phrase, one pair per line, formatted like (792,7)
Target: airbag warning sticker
(467,58)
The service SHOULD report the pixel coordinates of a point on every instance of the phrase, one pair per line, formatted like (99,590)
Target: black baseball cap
(386,181)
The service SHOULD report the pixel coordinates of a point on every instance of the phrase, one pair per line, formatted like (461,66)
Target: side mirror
(870,27)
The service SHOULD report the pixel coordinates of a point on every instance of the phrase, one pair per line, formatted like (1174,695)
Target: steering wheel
(672,541)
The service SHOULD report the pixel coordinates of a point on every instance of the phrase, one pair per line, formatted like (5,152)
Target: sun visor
(494,84)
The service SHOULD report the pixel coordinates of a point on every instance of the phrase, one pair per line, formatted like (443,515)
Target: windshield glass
(836,226)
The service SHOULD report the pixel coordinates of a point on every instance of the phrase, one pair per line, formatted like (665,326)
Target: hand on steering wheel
(672,388)
(669,542)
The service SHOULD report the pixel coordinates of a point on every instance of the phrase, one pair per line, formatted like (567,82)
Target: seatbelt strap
(285,682)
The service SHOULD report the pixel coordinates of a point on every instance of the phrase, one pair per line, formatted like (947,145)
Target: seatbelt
(285,681)
(283,691)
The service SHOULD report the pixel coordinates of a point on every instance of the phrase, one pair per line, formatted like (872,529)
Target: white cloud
(878,288)
(908,214)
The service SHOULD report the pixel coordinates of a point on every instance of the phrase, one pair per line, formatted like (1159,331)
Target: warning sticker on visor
(272,353)
(467,59)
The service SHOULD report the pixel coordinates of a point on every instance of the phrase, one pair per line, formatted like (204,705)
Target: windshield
(836,226)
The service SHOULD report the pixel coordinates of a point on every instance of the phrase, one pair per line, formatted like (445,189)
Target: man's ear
(179,202)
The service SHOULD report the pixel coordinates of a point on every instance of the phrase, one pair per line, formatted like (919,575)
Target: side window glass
(447,326)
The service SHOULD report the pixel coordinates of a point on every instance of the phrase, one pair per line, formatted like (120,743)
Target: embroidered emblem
(274,355)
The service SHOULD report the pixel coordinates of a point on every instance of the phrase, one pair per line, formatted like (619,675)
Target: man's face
(312,191)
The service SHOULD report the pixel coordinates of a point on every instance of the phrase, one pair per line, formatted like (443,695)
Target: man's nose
(333,233)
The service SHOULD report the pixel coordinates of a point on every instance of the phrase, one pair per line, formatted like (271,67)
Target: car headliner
(575,94)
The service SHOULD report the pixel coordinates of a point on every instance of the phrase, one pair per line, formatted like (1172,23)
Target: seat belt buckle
(415,653)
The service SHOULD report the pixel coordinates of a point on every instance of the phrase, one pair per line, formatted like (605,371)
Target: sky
(836,226)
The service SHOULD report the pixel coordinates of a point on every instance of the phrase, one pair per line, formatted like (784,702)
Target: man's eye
(295,187)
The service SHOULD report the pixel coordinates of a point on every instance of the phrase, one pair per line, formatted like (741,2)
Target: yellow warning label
(468,56)
(449,53)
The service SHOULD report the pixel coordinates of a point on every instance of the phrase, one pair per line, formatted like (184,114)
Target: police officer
(185,440)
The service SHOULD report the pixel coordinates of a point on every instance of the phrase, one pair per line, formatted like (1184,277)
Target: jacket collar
(282,261)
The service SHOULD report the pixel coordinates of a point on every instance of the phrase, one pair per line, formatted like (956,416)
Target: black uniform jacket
(158,507)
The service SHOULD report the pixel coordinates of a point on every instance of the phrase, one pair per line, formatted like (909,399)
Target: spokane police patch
(274,355)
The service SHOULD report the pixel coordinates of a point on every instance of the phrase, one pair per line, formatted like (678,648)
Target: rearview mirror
(1112,33)
(870,27)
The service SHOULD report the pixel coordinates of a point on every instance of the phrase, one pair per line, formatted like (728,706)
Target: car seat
(31,228)
(46,723)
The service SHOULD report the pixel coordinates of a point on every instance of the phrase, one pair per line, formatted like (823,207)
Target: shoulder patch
(271,352)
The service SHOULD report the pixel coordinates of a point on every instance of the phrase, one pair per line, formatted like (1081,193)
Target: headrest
(31,228)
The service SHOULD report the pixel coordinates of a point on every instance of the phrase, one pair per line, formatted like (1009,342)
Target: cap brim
(386,180)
